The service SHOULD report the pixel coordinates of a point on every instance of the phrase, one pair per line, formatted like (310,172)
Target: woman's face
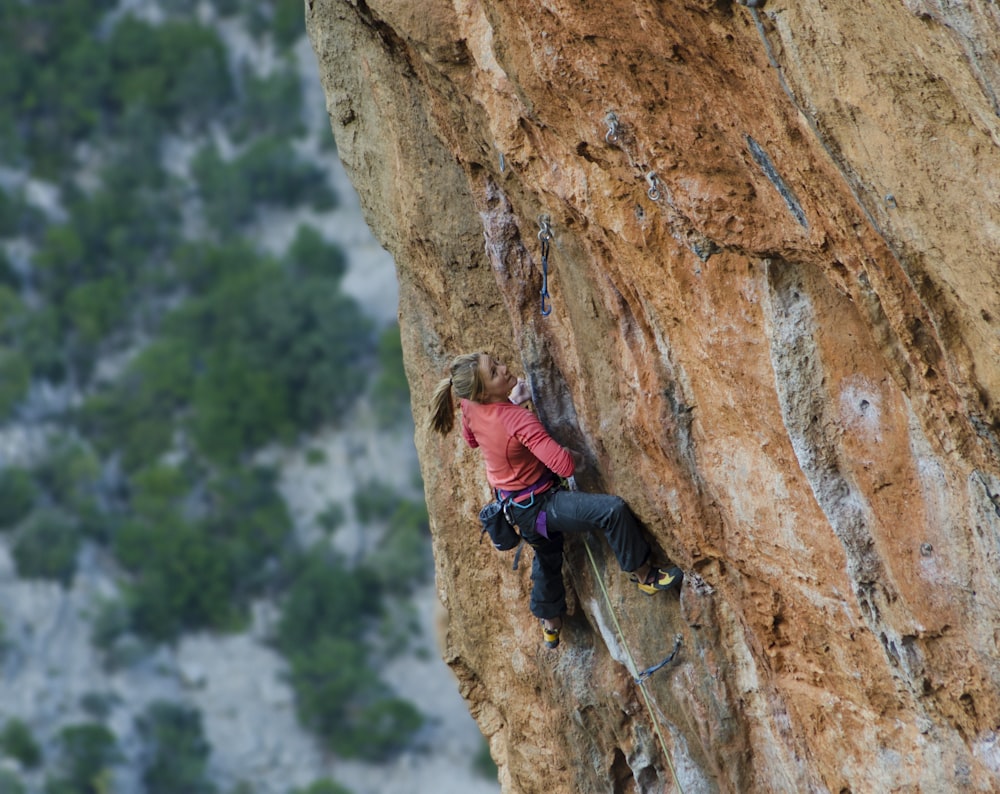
(497,381)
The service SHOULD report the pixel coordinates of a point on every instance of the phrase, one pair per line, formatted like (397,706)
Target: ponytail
(467,383)
(442,417)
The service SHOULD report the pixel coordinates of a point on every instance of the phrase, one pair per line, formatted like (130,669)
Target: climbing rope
(637,677)
(545,236)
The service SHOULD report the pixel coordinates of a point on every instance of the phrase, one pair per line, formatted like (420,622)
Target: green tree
(176,69)
(55,79)
(225,193)
(322,786)
(179,754)
(159,490)
(9,783)
(17,496)
(181,580)
(250,521)
(136,415)
(375,501)
(391,391)
(272,354)
(340,697)
(238,406)
(324,598)
(87,752)
(483,763)
(311,255)
(289,22)
(404,554)
(318,342)
(272,105)
(46,547)
(17,741)
(278,175)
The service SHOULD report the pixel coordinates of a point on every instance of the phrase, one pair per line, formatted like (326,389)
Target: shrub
(9,784)
(270,172)
(225,194)
(325,598)
(8,276)
(136,416)
(70,475)
(159,490)
(204,268)
(375,501)
(483,763)
(273,354)
(338,694)
(15,379)
(17,496)
(238,406)
(332,518)
(391,392)
(340,697)
(199,572)
(311,255)
(46,548)
(289,22)
(182,581)
(250,523)
(179,752)
(384,727)
(277,175)
(17,741)
(40,339)
(87,752)
(272,105)
(323,786)
(404,555)
(176,69)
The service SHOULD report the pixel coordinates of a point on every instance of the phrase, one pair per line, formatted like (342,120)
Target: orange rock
(786,360)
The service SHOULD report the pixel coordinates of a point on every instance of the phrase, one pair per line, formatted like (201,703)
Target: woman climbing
(523,464)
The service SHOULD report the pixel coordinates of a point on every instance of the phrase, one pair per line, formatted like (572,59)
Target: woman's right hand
(521,393)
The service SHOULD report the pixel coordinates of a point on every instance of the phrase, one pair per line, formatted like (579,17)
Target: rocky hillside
(773,283)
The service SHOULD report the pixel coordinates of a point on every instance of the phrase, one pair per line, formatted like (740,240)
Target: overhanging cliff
(774,331)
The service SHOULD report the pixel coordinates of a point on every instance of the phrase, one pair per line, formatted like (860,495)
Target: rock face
(774,275)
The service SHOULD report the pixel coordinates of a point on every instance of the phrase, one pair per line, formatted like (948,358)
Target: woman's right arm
(528,429)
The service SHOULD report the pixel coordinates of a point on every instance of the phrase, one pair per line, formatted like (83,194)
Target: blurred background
(215,567)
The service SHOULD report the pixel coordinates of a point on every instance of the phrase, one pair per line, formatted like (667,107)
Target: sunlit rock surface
(774,331)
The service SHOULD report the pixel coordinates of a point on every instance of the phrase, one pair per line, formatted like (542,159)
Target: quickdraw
(650,670)
(545,236)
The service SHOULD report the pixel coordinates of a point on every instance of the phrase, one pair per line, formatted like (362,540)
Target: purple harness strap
(540,527)
(545,479)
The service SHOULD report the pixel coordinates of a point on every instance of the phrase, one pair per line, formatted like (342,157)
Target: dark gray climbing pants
(569,512)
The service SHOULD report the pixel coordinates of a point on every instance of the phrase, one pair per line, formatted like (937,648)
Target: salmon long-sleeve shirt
(516,447)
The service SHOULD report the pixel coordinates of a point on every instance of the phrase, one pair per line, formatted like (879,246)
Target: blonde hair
(465,380)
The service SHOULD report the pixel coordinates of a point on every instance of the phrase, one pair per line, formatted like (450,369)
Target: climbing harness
(545,236)
(639,678)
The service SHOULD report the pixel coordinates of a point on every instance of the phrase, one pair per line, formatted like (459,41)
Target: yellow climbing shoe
(551,636)
(661,579)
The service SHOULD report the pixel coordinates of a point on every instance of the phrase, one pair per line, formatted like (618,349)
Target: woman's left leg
(575,511)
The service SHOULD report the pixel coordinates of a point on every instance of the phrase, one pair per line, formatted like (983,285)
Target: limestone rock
(774,279)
